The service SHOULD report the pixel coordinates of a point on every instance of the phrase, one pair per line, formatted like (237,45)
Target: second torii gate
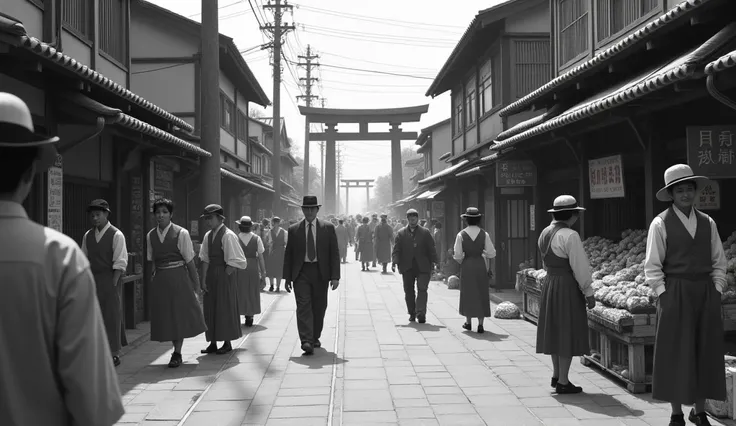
(331,117)
(357,183)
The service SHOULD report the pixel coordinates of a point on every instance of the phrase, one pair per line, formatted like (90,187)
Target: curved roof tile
(721,64)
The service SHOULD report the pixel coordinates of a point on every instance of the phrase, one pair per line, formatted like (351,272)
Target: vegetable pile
(507,310)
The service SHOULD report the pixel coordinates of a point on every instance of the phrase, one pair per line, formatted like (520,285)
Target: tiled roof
(241,179)
(721,64)
(137,125)
(443,173)
(637,37)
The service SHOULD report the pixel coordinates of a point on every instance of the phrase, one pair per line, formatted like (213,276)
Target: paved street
(374,368)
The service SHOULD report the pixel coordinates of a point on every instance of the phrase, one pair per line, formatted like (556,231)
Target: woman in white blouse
(249,279)
(473,248)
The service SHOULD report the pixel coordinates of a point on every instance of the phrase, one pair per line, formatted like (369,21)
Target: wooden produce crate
(729,316)
(530,304)
(631,348)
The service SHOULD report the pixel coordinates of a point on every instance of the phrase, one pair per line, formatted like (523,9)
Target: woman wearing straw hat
(686,267)
(473,248)
(176,314)
(249,279)
(562,329)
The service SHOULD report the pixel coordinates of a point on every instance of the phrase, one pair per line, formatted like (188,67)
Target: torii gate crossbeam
(331,117)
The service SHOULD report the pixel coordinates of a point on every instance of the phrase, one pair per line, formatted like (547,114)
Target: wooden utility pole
(209,180)
(278,30)
(322,159)
(308,64)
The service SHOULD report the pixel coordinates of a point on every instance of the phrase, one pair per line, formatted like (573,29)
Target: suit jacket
(405,252)
(328,253)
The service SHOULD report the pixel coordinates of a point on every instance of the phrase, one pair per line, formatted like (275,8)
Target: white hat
(565,203)
(16,124)
(678,173)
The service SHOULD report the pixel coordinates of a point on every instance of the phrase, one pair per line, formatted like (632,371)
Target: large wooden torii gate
(331,117)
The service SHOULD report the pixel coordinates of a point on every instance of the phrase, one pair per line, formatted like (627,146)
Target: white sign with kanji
(709,198)
(606,177)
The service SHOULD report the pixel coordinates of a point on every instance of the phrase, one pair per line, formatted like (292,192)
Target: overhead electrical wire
(361,84)
(380,35)
(219,8)
(376,63)
(365,39)
(374,18)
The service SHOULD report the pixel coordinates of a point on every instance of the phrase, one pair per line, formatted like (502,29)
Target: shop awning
(636,38)
(485,163)
(721,64)
(644,84)
(430,194)
(443,173)
(240,179)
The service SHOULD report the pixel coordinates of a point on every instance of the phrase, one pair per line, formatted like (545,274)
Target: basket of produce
(611,318)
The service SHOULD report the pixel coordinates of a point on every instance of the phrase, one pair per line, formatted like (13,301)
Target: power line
(376,92)
(380,35)
(219,8)
(393,43)
(405,86)
(377,63)
(378,72)
(374,18)
(161,68)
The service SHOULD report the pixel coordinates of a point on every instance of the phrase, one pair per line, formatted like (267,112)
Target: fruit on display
(507,310)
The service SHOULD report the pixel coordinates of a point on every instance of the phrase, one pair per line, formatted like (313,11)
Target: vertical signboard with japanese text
(606,177)
(515,173)
(55,194)
(137,231)
(710,151)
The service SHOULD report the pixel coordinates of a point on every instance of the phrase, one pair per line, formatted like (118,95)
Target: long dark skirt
(366,252)
(249,289)
(688,350)
(221,305)
(275,263)
(563,323)
(175,310)
(109,299)
(474,299)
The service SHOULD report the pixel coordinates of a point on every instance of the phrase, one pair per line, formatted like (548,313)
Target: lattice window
(470,100)
(242,129)
(77,16)
(227,114)
(573,16)
(113,29)
(458,114)
(614,16)
(531,67)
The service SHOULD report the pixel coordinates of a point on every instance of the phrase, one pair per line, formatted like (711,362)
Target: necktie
(311,255)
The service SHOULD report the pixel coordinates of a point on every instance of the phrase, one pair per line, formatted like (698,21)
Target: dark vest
(168,251)
(687,257)
(215,251)
(553,264)
(278,241)
(250,249)
(100,254)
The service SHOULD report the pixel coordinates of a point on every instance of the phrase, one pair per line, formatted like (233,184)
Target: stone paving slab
(375,368)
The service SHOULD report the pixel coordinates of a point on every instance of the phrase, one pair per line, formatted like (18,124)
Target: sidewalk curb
(143,338)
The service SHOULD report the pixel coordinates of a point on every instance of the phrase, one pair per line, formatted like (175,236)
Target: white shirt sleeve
(458,254)
(84,244)
(260,248)
(655,252)
(234,255)
(204,249)
(185,246)
(490,251)
(119,252)
(579,263)
(149,249)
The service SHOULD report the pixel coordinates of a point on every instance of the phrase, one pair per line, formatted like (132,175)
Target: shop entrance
(512,244)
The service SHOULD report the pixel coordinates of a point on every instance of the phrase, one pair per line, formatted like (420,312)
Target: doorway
(513,245)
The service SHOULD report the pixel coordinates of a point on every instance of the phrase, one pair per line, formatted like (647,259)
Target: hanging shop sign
(438,209)
(163,178)
(710,151)
(515,173)
(136,221)
(56,195)
(606,177)
(709,198)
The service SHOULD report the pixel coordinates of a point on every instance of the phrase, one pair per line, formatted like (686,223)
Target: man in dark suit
(414,253)
(312,263)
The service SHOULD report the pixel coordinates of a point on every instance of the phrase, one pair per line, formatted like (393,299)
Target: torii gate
(331,117)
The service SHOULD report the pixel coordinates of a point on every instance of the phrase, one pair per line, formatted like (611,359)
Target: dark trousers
(415,303)
(310,291)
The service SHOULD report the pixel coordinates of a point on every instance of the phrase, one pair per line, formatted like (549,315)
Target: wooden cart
(531,292)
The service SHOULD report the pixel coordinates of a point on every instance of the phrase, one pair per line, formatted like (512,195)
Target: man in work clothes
(414,253)
(105,248)
(221,255)
(382,237)
(56,365)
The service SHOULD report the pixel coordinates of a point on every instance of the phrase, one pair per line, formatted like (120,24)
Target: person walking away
(358,223)
(48,304)
(343,239)
(415,255)
(473,247)
(249,279)
(104,246)
(175,314)
(373,224)
(562,329)
(312,264)
(686,266)
(264,232)
(439,242)
(365,245)
(277,244)
(221,257)
(382,236)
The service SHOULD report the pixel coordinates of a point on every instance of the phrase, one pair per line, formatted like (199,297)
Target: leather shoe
(700,419)
(677,420)
(553,382)
(209,349)
(317,344)
(307,348)
(116,360)
(568,388)
(226,347)
(412,318)
(421,319)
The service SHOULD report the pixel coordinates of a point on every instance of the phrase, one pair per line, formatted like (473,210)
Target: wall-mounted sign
(711,151)
(163,178)
(56,195)
(438,209)
(606,177)
(515,173)
(136,222)
(194,228)
(709,198)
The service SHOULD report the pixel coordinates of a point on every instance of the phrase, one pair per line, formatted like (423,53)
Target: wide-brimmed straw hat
(472,212)
(565,203)
(245,221)
(679,173)
(17,131)
(213,209)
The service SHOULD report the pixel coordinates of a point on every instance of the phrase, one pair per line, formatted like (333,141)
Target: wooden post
(584,197)
(210,179)
(654,166)
(397,180)
(330,169)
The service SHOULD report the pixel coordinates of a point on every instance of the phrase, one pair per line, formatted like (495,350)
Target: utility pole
(322,158)
(308,64)
(278,30)
(209,179)
(339,174)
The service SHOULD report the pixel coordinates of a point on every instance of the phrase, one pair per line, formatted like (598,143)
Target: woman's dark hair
(14,162)
(163,202)
(564,215)
(341,221)
(438,225)
(245,228)
(473,221)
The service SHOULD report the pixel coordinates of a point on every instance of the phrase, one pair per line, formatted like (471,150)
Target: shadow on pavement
(605,404)
(322,358)
(255,328)
(422,327)
(488,335)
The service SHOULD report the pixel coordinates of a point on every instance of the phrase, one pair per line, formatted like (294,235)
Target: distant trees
(383,193)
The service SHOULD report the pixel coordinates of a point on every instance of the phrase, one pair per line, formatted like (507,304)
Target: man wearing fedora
(414,254)
(62,369)
(686,266)
(312,264)
(221,256)
(105,248)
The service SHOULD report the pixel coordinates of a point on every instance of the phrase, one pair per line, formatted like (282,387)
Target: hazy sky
(412,37)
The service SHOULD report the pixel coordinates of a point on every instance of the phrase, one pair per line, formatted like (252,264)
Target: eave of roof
(290,157)
(226,171)
(15,28)
(263,148)
(721,64)
(443,173)
(636,38)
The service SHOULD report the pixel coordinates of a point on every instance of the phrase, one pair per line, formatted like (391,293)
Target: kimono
(343,239)
(365,243)
(277,247)
(383,237)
